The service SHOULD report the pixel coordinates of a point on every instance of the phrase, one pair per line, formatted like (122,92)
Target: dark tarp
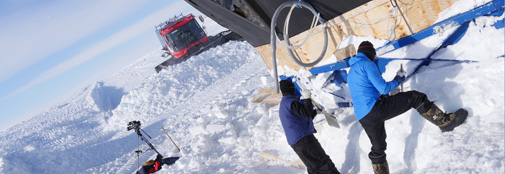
(251,18)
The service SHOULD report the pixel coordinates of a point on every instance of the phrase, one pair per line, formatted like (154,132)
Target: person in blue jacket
(296,118)
(372,105)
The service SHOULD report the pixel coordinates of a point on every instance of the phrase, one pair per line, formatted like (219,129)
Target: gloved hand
(400,75)
(401,72)
(305,94)
(399,79)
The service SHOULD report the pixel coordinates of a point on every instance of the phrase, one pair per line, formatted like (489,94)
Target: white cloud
(144,25)
(36,32)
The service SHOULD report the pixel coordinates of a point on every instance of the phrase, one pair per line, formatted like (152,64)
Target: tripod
(135,125)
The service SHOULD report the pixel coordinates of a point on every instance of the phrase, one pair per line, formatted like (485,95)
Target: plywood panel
(371,19)
(267,95)
(422,14)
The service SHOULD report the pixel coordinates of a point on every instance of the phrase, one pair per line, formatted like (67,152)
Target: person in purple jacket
(296,118)
(372,105)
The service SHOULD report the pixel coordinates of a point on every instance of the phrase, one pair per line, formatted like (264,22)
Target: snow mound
(105,98)
(175,85)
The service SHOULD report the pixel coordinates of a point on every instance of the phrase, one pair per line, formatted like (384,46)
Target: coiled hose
(273,37)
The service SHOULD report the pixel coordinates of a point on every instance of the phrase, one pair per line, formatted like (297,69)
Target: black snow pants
(313,156)
(384,109)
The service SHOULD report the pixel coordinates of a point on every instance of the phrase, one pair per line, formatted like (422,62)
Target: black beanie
(287,87)
(367,48)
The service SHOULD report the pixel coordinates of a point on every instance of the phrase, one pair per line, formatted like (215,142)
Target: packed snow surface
(204,104)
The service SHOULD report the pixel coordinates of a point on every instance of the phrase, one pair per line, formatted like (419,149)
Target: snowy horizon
(43,66)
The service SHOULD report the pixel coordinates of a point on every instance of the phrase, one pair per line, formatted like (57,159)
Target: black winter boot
(381,168)
(446,122)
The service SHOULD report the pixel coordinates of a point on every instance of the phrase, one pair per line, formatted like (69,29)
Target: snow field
(204,104)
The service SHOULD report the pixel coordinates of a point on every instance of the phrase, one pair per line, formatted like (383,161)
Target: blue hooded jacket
(366,84)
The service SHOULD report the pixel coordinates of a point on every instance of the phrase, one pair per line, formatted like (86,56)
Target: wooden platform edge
(271,157)
(267,95)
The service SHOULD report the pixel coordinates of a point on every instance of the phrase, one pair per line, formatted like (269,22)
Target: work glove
(400,75)
(305,94)
(399,79)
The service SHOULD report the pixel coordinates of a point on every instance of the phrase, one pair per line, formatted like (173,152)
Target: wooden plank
(267,95)
(422,14)
(271,157)
(345,53)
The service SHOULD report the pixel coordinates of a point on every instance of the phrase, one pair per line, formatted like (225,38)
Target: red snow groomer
(182,37)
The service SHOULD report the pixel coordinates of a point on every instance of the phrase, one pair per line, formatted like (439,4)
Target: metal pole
(138,149)
(147,141)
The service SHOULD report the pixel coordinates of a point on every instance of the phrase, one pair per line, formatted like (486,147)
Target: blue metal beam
(459,19)
(330,67)
(298,90)
(490,8)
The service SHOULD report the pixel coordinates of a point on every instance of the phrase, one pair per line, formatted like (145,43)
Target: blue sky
(51,49)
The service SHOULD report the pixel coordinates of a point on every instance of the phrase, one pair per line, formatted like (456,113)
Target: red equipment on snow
(183,37)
